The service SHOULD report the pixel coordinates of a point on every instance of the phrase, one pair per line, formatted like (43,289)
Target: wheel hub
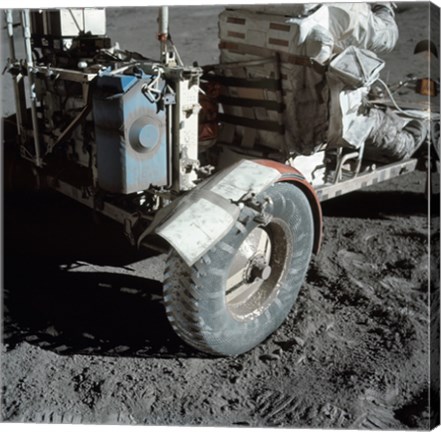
(257,266)
(258,269)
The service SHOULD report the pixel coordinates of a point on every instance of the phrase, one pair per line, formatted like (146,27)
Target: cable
(412,114)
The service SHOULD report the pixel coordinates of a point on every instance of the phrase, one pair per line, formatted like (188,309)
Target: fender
(196,222)
(294,176)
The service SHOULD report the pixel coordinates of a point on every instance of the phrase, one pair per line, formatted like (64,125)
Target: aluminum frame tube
(25,16)
(18,103)
(163,32)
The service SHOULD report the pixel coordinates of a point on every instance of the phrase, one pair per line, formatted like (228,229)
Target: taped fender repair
(197,228)
(245,177)
(206,214)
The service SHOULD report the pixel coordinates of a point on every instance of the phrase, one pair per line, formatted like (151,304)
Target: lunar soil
(86,339)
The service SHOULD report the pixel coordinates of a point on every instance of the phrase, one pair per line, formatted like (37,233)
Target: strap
(261,83)
(265,52)
(267,125)
(252,103)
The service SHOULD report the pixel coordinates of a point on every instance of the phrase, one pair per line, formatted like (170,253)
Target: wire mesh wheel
(242,290)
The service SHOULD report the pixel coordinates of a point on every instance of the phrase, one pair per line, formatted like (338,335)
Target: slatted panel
(266,31)
(246,36)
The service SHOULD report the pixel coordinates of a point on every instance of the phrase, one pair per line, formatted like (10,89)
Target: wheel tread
(191,292)
(182,305)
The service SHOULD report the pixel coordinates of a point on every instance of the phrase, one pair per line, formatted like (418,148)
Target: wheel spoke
(248,247)
(241,259)
(238,288)
(264,247)
(235,280)
(242,291)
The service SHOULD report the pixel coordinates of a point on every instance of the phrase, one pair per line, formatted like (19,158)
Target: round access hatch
(145,134)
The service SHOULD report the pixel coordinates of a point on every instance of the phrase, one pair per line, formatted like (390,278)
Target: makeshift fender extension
(291,175)
(197,221)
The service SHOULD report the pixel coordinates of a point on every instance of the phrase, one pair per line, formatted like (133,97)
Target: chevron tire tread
(194,296)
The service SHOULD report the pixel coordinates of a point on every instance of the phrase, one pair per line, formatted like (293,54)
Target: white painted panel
(196,229)
(72,22)
(246,177)
(95,21)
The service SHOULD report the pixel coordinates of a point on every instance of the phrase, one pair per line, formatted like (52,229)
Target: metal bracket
(151,90)
(342,159)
